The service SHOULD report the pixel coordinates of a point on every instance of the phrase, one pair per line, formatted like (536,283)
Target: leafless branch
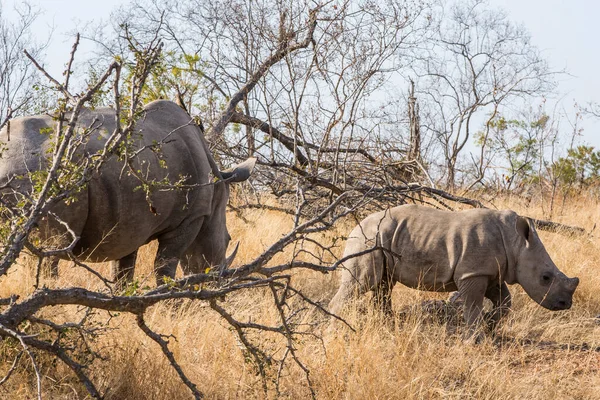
(22,339)
(12,368)
(164,345)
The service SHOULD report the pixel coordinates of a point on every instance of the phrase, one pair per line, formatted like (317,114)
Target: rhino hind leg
(342,296)
(123,269)
(352,286)
(383,293)
(501,299)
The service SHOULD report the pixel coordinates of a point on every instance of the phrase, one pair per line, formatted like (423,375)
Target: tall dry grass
(411,359)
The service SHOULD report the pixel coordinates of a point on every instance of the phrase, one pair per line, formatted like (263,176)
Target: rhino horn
(572,284)
(240,172)
(229,260)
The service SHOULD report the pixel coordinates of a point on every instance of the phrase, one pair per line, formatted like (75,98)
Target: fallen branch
(544,225)
(557,227)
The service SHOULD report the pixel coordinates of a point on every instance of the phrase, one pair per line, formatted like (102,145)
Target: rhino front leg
(189,264)
(123,269)
(473,290)
(500,297)
(165,267)
(171,248)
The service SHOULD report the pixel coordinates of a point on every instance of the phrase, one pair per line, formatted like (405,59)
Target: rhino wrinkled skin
(111,215)
(476,252)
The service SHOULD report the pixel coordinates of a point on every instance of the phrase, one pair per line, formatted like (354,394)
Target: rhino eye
(546,278)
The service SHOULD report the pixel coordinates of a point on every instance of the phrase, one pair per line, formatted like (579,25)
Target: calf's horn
(572,283)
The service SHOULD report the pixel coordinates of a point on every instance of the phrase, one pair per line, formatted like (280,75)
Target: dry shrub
(412,357)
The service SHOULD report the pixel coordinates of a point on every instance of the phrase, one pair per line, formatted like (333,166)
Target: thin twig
(289,334)
(164,345)
(21,338)
(12,368)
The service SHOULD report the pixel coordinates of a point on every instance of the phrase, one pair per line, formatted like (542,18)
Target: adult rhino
(476,252)
(111,216)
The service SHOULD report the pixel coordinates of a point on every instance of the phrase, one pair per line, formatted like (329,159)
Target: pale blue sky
(566,31)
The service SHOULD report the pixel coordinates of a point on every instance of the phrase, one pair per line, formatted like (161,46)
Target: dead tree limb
(543,225)
(285,47)
(557,227)
(164,345)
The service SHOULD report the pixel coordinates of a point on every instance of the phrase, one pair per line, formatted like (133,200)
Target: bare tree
(17,75)
(476,62)
(318,116)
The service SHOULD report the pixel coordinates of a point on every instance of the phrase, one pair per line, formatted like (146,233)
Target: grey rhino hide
(476,252)
(111,215)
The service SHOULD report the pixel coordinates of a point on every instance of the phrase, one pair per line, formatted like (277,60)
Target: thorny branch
(285,48)
(22,339)
(280,302)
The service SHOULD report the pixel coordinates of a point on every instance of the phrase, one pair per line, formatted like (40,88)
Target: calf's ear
(523,227)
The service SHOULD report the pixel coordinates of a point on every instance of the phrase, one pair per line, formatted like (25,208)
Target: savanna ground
(414,358)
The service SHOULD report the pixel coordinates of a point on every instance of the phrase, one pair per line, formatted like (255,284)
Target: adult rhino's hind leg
(123,269)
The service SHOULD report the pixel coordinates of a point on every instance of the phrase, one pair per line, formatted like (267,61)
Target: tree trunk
(414,151)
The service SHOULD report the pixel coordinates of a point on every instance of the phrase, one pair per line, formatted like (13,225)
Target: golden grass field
(412,359)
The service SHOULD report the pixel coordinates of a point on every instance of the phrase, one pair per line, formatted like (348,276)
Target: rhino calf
(476,252)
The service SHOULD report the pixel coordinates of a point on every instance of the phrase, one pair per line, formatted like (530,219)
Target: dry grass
(412,359)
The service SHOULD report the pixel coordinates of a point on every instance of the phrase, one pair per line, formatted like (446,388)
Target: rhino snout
(562,297)
(562,304)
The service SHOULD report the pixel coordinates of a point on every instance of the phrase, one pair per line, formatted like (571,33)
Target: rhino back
(434,249)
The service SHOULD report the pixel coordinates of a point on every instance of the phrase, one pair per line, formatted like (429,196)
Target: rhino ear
(523,227)
(240,172)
